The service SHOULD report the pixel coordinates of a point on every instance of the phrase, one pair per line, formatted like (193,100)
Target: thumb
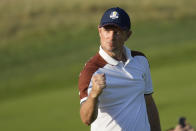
(103,75)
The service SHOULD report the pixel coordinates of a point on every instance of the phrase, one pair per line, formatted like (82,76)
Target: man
(115,85)
(182,126)
(188,127)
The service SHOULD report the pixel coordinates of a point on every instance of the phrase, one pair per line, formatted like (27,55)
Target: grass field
(59,109)
(44,45)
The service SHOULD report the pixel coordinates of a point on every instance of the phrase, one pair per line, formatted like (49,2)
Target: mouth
(111,44)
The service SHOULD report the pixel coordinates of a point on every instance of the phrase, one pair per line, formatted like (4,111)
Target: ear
(129,33)
(99,30)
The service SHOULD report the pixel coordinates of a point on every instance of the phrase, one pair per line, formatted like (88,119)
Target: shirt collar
(113,61)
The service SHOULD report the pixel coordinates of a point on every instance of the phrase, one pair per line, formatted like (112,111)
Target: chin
(111,49)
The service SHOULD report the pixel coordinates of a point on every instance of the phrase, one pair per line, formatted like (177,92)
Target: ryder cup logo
(114,15)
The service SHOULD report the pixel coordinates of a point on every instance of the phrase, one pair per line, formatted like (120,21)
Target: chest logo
(143,76)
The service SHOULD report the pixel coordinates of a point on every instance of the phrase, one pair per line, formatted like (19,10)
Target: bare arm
(153,114)
(88,109)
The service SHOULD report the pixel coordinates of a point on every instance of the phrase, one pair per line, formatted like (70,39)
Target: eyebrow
(112,27)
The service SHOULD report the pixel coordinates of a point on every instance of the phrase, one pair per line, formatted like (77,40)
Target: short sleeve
(148,80)
(84,82)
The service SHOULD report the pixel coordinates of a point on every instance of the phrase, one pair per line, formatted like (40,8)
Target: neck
(118,55)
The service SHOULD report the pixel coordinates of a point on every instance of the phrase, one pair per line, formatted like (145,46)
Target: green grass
(54,60)
(36,68)
(59,109)
(44,46)
(174,92)
(49,110)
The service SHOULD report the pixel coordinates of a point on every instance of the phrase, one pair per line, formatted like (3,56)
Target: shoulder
(141,57)
(89,69)
(137,53)
(93,64)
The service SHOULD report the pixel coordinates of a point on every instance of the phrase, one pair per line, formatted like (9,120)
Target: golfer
(115,85)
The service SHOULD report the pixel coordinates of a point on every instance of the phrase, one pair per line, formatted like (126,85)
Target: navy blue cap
(116,16)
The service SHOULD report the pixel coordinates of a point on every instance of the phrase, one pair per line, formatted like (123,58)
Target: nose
(112,34)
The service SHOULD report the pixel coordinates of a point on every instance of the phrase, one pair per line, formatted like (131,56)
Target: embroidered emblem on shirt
(143,76)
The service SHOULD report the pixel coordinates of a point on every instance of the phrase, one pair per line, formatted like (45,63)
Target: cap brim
(113,24)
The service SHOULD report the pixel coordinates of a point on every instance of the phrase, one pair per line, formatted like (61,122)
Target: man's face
(112,38)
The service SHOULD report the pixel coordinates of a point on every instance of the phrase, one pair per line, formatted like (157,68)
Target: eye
(117,32)
(107,29)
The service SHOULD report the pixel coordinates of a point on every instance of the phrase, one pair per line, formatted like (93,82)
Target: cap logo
(114,15)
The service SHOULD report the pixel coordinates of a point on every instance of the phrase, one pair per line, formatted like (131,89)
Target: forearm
(88,110)
(153,115)
(154,120)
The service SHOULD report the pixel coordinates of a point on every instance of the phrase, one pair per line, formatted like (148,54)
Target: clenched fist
(99,83)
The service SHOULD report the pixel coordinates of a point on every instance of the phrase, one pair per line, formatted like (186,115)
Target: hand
(99,83)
